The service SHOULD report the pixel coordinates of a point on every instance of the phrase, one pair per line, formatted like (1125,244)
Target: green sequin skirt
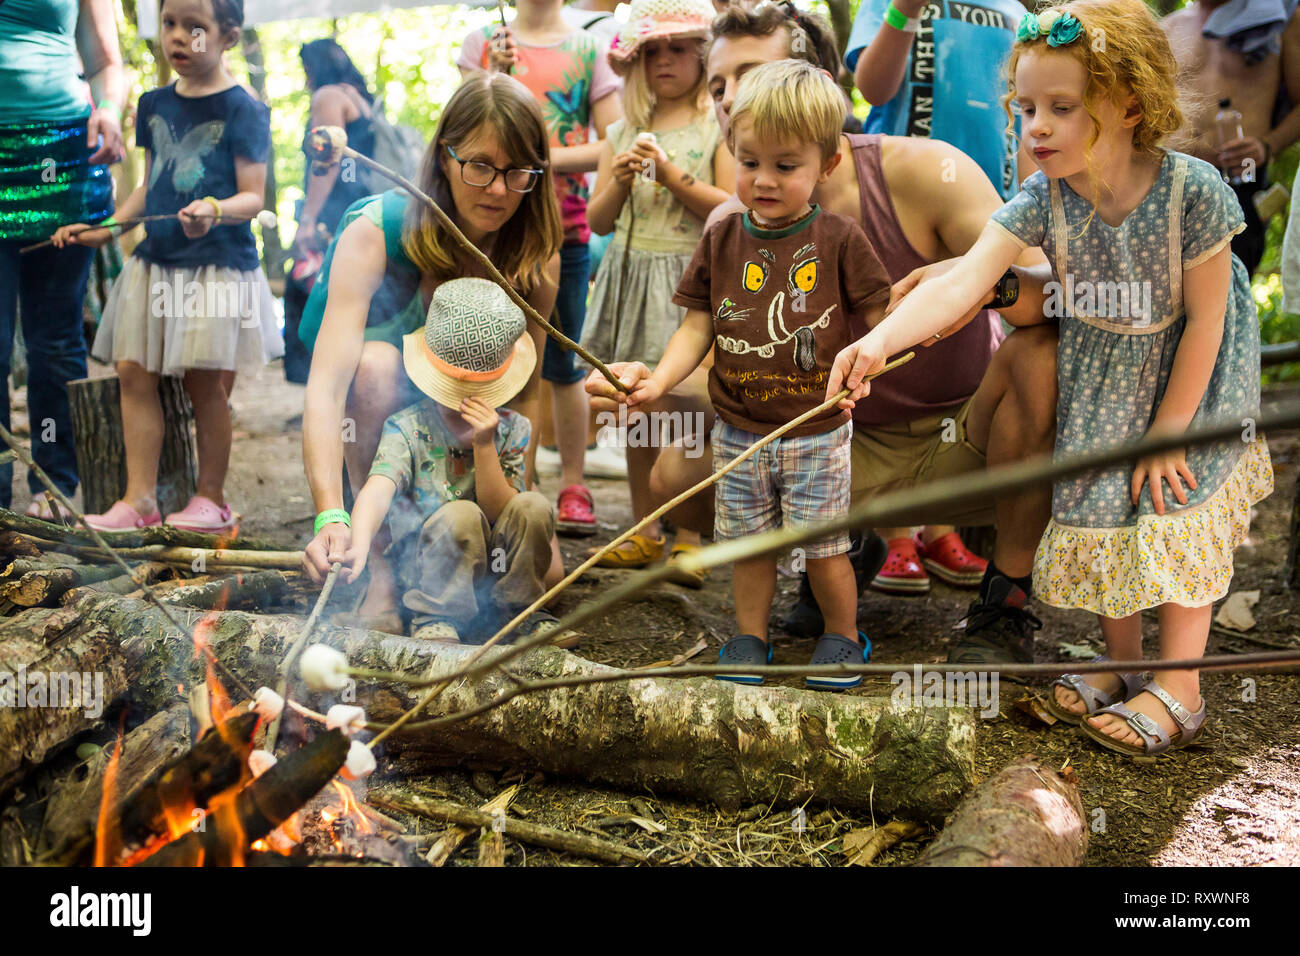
(46,181)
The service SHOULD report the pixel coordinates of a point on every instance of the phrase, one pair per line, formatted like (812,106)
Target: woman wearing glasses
(488,168)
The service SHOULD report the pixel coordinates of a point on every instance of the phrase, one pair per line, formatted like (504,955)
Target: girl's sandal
(1094,698)
(637,551)
(1154,739)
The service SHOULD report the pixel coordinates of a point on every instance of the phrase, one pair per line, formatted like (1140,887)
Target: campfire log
(258,589)
(261,806)
(35,588)
(734,745)
(73,807)
(55,668)
(215,764)
(1025,815)
(96,409)
(147,573)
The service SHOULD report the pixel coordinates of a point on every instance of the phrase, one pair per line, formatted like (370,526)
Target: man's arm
(1288,131)
(949,194)
(881,66)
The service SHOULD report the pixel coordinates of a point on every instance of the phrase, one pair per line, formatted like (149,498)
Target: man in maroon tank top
(968,402)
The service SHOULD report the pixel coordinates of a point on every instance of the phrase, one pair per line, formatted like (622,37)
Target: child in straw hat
(470,545)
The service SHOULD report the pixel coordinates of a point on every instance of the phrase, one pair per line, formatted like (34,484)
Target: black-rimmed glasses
(482,175)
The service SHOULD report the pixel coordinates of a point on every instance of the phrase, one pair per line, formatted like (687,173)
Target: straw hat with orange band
(475,343)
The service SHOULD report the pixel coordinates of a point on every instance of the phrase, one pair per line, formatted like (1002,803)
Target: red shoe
(576,515)
(902,572)
(951,561)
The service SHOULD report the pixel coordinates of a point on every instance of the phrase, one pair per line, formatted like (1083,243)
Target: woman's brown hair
(528,240)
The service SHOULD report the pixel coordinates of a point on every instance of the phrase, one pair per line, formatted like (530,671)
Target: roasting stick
(328,145)
(71,509)
(266,218)
(282,684)
(653,516)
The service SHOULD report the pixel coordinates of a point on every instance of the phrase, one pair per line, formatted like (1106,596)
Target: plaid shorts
(792,483)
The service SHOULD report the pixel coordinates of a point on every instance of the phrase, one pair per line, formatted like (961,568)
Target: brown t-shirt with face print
(784,303)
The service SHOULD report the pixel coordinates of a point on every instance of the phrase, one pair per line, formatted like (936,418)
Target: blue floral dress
(1118,295)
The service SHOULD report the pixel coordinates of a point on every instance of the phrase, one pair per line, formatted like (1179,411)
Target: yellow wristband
(215,205)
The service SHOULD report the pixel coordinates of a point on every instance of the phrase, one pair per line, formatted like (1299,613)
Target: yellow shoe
(687,579)
(637,551)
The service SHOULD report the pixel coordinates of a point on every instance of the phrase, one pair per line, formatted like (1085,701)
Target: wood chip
(860,847)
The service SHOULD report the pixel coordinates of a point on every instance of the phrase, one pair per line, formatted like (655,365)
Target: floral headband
(1057,27)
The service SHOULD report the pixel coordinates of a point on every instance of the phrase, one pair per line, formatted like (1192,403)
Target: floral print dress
(1118,295)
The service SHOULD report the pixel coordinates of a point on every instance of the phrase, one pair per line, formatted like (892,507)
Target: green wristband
(111,107)
(330,516)
(899,20)
(108,223)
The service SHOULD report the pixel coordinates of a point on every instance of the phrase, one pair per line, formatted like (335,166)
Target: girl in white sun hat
(663,169)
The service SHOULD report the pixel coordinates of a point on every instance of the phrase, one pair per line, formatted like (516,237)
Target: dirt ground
(1233,799)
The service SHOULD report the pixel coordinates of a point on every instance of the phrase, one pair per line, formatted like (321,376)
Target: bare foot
(381,593)
(1070,701)
(1144,703)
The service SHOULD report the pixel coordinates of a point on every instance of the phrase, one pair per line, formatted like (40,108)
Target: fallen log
(57,674)
(731,744)
(447,812)
(1025,815)
(46,585)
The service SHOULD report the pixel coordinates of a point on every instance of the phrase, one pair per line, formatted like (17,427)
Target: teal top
(39,67)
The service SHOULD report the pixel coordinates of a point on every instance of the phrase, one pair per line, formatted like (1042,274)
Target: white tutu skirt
(172,318)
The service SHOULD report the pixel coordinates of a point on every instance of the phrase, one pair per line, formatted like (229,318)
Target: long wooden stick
(324,150)
(590,847)
(127,224)
(905,507)
(282,685)
(655,515)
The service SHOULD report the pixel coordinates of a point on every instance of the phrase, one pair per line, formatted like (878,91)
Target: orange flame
(108,834)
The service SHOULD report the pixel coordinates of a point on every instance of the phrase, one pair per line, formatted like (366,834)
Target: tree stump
(101,452)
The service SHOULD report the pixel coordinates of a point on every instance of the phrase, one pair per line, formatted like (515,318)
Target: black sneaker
(999,630)
(868,553)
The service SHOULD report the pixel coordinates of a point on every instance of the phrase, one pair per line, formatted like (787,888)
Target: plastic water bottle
(1227,127)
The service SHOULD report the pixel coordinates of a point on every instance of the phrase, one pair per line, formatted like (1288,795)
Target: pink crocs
(122,517)
(202,515)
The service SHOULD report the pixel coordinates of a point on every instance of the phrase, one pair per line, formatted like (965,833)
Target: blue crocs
(837,649)
(745,650)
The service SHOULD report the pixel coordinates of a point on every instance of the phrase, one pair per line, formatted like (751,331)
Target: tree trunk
(714,740)
(101,453)
(272,251)
(1025,815)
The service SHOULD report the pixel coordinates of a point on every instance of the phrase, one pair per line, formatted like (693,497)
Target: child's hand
(651,156)
(626,168)
(501,50)
(605,396)
(79,234)
(354,559)
(1168,465)
(852,367)
(482,417)
(197,218)
(645,392)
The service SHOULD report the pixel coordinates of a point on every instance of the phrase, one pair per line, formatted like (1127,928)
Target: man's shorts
(792,483)
(894,457)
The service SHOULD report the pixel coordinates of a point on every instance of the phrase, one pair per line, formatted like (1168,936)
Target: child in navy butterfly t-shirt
(191,300)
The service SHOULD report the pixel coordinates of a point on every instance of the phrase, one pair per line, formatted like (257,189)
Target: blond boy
(776,291)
